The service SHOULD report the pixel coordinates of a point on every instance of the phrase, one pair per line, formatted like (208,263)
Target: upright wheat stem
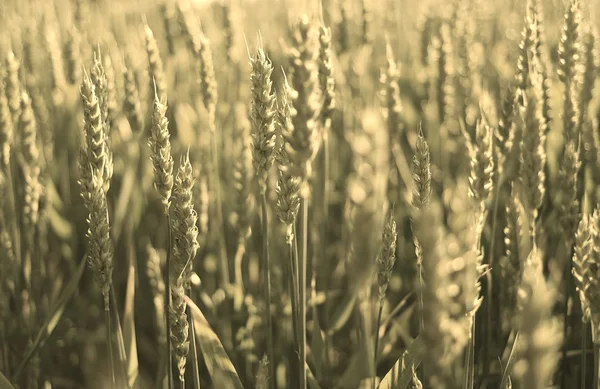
(267,281)
(302,291)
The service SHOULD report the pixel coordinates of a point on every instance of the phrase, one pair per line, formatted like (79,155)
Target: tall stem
(302,291)
(267,281)
(294,294)
(488,331)
(109,348)
(596,343)
(168,306)
(583,355)
(217,182)
(377,342)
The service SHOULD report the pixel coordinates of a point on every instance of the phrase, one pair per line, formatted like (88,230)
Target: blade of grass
(212,349)
(4,383)
(510,363)
(194,354)
(53,318)
(129,337)
(342,314)
(400,374)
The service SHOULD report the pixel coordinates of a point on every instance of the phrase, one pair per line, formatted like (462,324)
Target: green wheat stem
(267,281)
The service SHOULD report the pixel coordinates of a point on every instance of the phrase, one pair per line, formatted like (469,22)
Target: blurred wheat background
(275,194)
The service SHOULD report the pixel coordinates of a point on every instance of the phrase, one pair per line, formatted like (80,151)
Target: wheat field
(270,194)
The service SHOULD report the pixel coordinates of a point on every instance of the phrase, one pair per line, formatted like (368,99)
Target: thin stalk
(239,278)
(583,355)
(568,286)
(302,292)
(109,348)
(267,281)
(294,295)
(377,324)
(596,343)
(120,339)
(168,306)
(469,378)
(488,317)
(217,182)
(298,319)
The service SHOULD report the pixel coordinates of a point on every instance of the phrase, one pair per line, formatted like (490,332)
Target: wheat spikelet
(13,86)
(157,285)
(326,79)
(185,245)
(540,336)
(533,152)
(511,268)
(95,132)
(387,255)
(31,166)
(100,247)
(303,143)
(206,75)
(73,55)
(583,252)
(6,131)
(288,186)
(590,68)
(569,52)
(160,152)
(262,377)
(568,205)
(481,178)
(132,107)
(242,182)
(155,66)
(168,13)
(421,169)
(262,117)
(228,31)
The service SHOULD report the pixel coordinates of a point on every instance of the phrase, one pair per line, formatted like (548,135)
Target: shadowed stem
(302,291)
(293,262)
(376,342)
(168,306)
(109,348)
(596,343)
(583,355)
(217,181)
(267,281)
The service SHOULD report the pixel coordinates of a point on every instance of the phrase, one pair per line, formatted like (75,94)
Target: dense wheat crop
(274,194)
